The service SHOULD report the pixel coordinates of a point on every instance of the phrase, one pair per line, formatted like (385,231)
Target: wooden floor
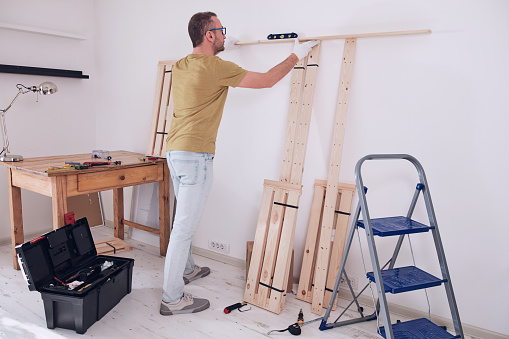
(137,314)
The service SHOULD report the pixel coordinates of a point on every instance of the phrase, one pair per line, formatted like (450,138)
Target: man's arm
(270,78)
(276,73)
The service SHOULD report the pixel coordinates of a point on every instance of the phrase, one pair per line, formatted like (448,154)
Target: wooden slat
(163,107)
(301,139)
(333,176)
(282,185)
(259,245)
(140,226)
(298,75)
(310,248)
(271,246)
(284,254)
(166,204)
(169,116)
(118,212)
(16,215)
(59,200)
(338,245)
(335,37)
(155,109)
(111,246)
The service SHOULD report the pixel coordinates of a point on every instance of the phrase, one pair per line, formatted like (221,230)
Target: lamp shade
(47,88)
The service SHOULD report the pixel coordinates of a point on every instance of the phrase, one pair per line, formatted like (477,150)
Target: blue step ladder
(391,279)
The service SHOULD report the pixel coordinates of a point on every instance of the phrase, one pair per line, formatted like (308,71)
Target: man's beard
(218,47)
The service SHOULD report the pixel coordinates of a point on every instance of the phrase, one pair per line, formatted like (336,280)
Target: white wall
(440,97)
(63,123)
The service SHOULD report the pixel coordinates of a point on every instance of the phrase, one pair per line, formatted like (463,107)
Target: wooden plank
(169,117)
(333,176)
(59,200)
(338,246)
(16,216)
(308,261)
(111,246)
(335,37)
(161,123)
(33,182)
(118,178)
(155,109)
(271,246)
(118,213)
(301,139)
(165,204)
(140,226)
(284,254)
(249,252)
(39,165)
(298,75)
(282,185)
(259,245)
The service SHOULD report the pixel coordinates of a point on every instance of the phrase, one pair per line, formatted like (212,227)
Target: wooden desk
(30,174)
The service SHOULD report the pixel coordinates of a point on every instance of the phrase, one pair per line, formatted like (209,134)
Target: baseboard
(415,314)
(219,257)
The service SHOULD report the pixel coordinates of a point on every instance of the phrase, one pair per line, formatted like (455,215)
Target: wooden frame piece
(269,269)
(324,249)
(345,193)
(335,37)
(162,111)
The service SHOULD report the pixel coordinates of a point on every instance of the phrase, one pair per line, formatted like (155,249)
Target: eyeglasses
(223,30)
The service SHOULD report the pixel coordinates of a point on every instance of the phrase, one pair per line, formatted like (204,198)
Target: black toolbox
(53,261)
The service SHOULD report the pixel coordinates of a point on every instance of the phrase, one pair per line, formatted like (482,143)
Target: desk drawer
(119,178)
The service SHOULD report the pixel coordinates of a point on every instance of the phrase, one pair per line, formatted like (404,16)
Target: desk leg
(17,236)
(164,211)
(59,200)
(118,212)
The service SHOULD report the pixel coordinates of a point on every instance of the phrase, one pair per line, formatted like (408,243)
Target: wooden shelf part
(43,31)
(42,71)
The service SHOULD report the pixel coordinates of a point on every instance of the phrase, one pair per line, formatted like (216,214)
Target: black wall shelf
(42,71)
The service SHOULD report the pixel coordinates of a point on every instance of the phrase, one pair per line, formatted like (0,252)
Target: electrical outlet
(353,282)
(219,246)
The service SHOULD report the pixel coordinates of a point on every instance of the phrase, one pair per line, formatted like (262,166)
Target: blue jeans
(191,174)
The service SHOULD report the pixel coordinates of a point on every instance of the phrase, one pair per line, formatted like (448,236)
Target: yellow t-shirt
(199,86)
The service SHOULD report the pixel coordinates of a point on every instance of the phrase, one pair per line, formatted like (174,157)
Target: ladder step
(404,279)
(386,227)
(418,328)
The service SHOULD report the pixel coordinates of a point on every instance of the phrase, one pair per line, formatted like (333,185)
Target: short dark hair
(199,24)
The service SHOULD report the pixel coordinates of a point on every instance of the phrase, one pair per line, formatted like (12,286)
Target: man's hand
(302,50)
(229,43)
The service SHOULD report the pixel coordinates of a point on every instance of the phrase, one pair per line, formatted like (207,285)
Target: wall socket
(219,246)
(353,282)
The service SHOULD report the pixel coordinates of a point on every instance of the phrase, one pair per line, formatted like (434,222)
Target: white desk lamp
(44,88)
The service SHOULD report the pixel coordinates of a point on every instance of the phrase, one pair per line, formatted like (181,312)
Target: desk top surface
(41,164)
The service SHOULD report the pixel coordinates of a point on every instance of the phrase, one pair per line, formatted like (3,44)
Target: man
(200,84)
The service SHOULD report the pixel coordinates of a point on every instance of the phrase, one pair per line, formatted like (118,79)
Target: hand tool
(101,163)
(282,36)
(234,307)
(300,318)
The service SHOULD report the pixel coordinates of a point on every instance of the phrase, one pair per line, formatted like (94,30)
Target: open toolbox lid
(56,253)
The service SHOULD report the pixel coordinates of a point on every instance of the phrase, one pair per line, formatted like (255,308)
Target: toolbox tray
(68,254)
